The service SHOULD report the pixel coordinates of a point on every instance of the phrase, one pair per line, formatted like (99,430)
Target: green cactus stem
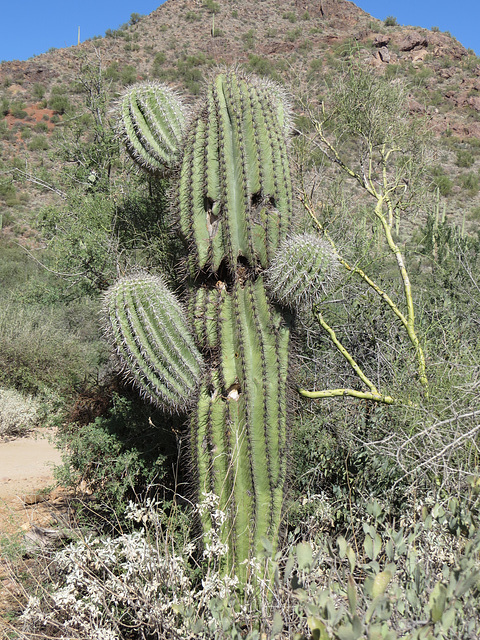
(234,207)
(148,328)
(151,123)
(234,196)
(239,424)
(301,271)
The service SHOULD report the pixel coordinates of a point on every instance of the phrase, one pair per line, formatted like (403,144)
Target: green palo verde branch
(388,190)
(406,320)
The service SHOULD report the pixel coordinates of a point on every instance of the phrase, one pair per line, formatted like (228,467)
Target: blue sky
(30,28)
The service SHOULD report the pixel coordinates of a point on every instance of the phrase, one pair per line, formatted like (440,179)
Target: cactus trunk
(238,429)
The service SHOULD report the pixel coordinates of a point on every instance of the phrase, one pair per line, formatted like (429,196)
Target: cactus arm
(151,122)
(148,328)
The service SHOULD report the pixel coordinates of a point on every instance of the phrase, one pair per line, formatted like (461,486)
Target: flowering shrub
(412,582)
(18,413)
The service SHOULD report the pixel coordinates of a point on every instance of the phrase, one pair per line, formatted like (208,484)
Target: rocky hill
(293,39)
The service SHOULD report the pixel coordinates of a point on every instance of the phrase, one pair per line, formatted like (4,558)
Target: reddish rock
(414,106)
(474,102)
(381,40)
(412,40)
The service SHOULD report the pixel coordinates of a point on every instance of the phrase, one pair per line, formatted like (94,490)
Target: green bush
(39,91)
(121,456)
(390,21)
(41,127)
(441,181)
(249,38)
(293,35)
(158,62)
(128,75)
(4,106)
(39,143)
(59,103)
(470,183)
(290,16)
(18,413)
(39,351)
(112,72)
(213,7)
(17,110)
(465,159)
(192,16)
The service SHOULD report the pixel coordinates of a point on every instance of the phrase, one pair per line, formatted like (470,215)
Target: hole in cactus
(243,270)
(256,199)
(233,392)
(212,219)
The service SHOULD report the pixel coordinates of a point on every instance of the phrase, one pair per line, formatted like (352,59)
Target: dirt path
(25,476)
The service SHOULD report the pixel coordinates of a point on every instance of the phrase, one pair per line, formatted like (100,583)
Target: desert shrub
(470,182)
(128,74)
(390,21)
(112,72)
(4,106)
(158,62)
(39,143)
(249,38)
(293,35)
(262,66)
(59,103)
(388,582)
(192,16)
(465,159)
(40,351)
(18,413)
(38,91)
(441,181)
(190,72)
(41,127)
(290,16)
(213,7)
(17,110)
(125,454)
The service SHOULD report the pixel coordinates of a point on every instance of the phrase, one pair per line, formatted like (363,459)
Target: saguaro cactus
(233,203)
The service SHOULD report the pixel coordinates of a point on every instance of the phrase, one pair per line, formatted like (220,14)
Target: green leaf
(464,585)
(352,631)
(352,595)
(267,545)
(351,558)
(288,568)
(380,583)
(368,546)
(277,624)
(342,546)
(304,555)
(436,602)
(448,618)
(319,632)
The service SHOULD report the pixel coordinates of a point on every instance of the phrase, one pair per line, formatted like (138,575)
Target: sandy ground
(27,498)
(26,465)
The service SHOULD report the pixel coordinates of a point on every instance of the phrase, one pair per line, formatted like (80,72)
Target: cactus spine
(233,202)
